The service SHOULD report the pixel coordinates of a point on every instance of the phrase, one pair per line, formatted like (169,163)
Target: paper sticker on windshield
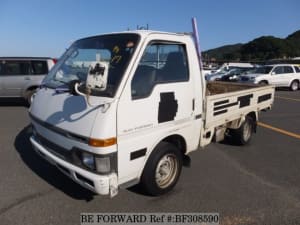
(129,44)
(116,49)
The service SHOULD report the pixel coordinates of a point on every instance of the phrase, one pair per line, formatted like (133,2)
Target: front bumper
(100,184)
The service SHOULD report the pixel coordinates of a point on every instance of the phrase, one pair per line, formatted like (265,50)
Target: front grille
(245,78)
(55,149)
(73,155)
(60,131)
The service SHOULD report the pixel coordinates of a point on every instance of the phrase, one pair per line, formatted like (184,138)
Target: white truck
(125,108)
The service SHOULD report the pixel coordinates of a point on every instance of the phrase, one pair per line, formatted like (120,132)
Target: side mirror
(273,73)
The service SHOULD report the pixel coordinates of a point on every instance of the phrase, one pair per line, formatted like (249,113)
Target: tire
(294,85)
(162,169)
(243,135)
(28,96)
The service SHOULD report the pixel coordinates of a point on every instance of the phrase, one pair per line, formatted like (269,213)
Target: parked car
(233,75)
(229,66)
(215,76)
(20,76)
(226,69)
(280,75)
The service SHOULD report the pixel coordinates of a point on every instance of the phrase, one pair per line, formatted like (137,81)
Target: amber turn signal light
(102,142)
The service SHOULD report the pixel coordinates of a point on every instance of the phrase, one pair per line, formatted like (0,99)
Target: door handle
(27,78)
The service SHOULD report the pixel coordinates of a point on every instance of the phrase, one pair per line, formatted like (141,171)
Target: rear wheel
(162,169)
(243,134)
(294,85)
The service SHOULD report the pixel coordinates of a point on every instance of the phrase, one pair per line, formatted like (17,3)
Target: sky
(47,28)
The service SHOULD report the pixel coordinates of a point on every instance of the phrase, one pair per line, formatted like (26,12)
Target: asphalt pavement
(254,184)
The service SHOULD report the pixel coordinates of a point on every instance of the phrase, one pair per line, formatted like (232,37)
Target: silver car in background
(227,69)
(21,76)
(280,75)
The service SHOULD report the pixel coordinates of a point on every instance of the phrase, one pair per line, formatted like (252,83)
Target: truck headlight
(103,164)
(97,163)
(88,160)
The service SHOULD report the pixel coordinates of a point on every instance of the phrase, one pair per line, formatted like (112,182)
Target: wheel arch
(297,80)
(29,88)
(263,81)
(178,141)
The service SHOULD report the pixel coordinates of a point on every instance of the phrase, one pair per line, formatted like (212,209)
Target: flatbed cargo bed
(215,87)
(227,102)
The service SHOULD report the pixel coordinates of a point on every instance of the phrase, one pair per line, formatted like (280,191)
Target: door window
(39,67)
(17,68)
(288,69)
(297,69)
(160,63)
(279,70)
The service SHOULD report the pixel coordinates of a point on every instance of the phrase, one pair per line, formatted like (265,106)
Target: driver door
(158,101)
(17,75)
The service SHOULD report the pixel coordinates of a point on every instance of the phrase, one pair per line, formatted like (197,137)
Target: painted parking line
(292,99)
(285,132)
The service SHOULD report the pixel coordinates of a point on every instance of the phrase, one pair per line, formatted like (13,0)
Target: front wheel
(162,169)
(243,134)
(28,96)
(294,85)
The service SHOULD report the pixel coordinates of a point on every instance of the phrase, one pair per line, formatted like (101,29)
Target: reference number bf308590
(149,218)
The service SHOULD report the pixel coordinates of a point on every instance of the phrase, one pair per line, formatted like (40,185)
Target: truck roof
(142,33)
(280,64)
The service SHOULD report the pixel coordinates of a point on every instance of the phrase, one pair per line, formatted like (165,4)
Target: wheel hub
(294,86)
(247,131)
(166,170)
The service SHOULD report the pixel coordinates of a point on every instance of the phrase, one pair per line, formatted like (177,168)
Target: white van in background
(21,76)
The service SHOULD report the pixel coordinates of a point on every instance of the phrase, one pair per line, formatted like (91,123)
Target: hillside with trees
(259,49)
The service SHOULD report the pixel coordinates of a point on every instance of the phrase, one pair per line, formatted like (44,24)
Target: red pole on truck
(197,42)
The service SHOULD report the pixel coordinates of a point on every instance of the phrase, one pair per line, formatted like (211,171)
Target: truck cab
(153,95)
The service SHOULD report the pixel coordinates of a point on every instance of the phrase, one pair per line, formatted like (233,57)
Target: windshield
(263,69)
(115,50)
